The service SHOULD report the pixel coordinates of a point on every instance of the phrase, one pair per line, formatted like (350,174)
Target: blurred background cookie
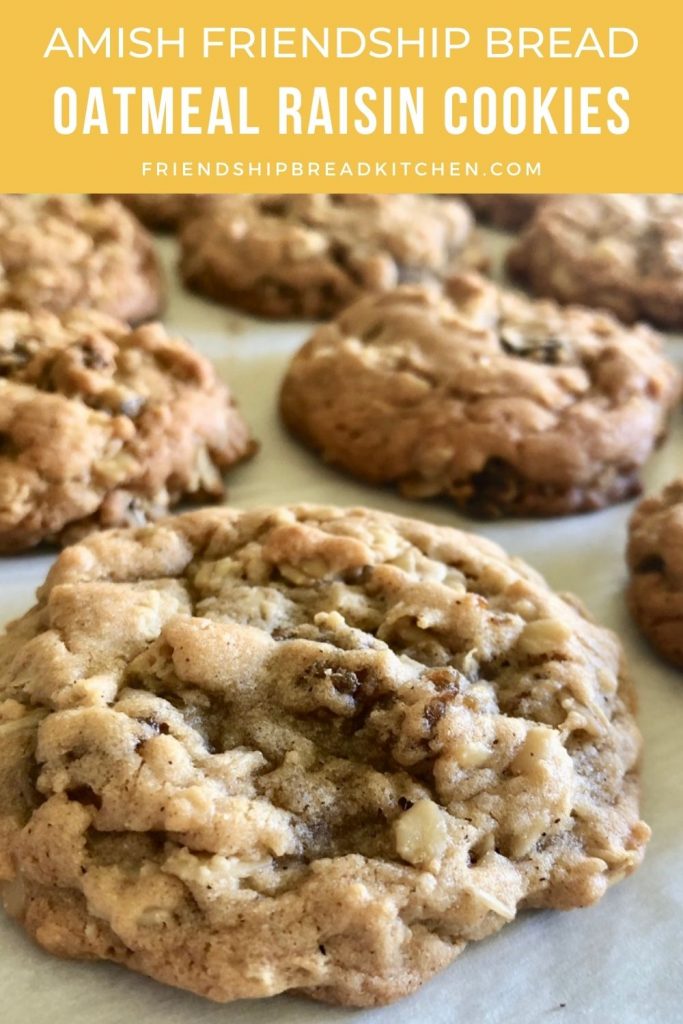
(285,256)
(64,251)
(623,253)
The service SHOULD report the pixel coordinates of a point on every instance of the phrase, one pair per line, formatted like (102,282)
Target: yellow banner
(496,97)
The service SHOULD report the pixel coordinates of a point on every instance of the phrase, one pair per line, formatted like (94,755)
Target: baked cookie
(506,405)
(620,252)
(310,255)
(505,210)
(103,425)
(308,749)
(165,211)
(63,251)
(655,560)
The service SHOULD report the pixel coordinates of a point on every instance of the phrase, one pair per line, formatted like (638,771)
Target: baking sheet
(616,963)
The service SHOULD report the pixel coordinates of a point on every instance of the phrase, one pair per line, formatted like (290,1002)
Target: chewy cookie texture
(305,749)
(104,425)
(285,256)
(655,560)
(66,251)
(619,252)
(506,405)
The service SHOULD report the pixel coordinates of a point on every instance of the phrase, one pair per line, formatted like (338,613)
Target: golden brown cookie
(623,253)
(285,256)
(508,406)
(65,251)
(102,425)
(655,560)
(306,749)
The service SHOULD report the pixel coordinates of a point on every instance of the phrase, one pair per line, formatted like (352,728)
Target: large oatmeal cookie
(310,255)
(306,748)
(505,405)
(104,425)
(66,251)
(620,252)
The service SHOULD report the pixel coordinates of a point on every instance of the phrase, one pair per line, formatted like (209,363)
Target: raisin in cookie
(620,252)
(655,559)
(505,210)
(506,405)
(306,748)
(164,211)
(310,255)
(63,251)
(103,425)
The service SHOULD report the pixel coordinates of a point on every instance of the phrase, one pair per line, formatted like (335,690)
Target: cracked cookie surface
(655,561)
(623,253)
(66,251)
(311,255)
(104,425)
(506,405)
(165,211)
(306,748)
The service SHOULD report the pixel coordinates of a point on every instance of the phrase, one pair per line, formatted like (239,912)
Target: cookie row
(273,255)
(506,406)
(311,255)
(285,256)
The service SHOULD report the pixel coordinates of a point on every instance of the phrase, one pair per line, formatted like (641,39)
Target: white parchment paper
(620,962)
